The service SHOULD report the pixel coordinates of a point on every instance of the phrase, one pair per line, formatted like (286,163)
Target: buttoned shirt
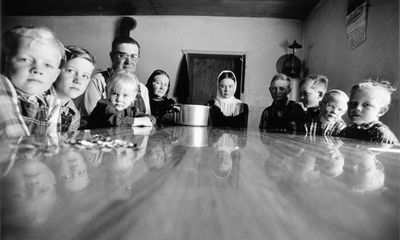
(375,132)
(96,90)
(69,115)
(317,127)
(41,113)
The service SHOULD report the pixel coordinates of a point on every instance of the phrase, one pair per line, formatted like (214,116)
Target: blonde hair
(281,76)
(383,86)
(319,82)
(122,76)
(14,37)
(335,93)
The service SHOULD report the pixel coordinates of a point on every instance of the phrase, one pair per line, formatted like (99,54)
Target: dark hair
(151,80)
(119,40)
(72,52)
(226,74)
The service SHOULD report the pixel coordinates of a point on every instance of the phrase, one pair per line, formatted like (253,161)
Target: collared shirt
(96,90)
(41,113)
(282,118)
(312,114)
(375,132)
(325,129)
(11,122)
(105,115)
(69,115)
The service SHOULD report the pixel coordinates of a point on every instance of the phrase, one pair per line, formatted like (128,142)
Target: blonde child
(312,90)
(283,113)
(71,83)
(368,102)
(332,107)
(363,173)
(118,110)
(32,64)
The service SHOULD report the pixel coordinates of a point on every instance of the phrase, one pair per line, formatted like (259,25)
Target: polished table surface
(197,183)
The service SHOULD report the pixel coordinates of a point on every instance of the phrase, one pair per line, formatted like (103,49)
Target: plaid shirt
(374,132)
(41,113)
(11,121)
(69,115)
(325,129)
(282,118)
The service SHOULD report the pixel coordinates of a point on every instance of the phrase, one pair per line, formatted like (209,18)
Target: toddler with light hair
(118,109)
(368,102)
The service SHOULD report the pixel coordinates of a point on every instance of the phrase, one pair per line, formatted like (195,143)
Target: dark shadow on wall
(124,26)
(182,82)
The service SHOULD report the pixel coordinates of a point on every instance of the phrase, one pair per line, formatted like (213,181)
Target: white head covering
(229,106)
(227,143)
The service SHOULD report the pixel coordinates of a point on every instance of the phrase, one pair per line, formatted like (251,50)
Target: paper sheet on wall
(357,25)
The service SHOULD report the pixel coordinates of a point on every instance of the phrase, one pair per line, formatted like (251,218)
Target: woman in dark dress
(225,109)
(161,106)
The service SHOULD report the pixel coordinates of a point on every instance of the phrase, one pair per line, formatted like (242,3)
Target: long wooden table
(198,183)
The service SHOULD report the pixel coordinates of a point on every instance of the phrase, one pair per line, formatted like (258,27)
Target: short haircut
(335,93)
(119,40)
(281,76)
(381,85)
(152,78)
(14,36)
(72,52)
(123,76)
(320,82)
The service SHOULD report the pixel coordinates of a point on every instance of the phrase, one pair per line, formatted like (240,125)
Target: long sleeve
(105,115)
(95,91)
(145,95)
(11,121)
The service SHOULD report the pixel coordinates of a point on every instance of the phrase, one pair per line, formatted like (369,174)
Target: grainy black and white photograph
(238,120)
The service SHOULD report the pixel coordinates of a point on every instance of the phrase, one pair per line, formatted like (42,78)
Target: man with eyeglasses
(124,55)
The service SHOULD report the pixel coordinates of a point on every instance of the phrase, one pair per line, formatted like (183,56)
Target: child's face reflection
(223,161)
(31,191)
(73,171)
(156,158)
(33,180)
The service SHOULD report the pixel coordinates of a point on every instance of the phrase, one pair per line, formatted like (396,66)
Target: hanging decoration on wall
(289,64)
(356,21)
(127,24)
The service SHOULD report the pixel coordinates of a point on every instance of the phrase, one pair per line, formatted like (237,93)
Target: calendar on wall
(356,21)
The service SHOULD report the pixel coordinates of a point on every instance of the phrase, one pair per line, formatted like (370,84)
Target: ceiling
(294,9)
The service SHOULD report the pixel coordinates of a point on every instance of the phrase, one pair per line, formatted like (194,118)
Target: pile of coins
(100,142)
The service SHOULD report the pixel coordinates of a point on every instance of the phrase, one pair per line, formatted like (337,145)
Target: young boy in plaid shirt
(368,102)
(72,82)
(312,90)
(329,122)
(32,64)
(283,115)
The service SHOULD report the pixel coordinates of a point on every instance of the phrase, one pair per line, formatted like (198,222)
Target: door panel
(203,70)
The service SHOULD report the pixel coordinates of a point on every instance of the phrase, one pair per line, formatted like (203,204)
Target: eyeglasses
(125,56)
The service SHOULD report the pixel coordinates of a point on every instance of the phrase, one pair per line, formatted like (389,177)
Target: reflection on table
(197,183)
